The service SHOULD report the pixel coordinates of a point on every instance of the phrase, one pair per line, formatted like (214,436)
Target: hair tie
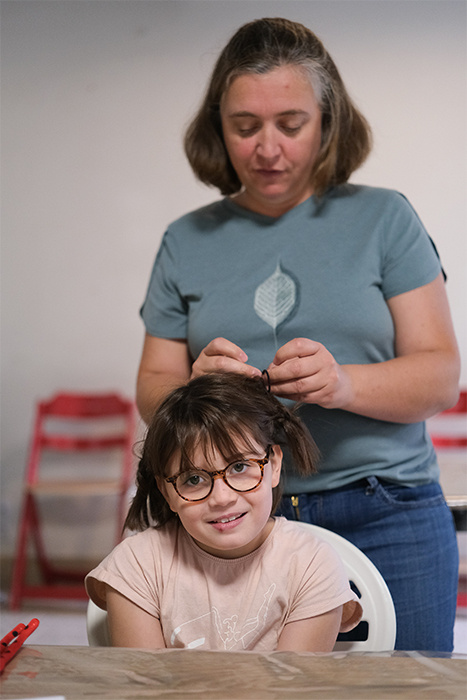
(266,380)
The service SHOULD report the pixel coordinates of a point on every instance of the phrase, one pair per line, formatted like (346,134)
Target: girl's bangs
(231,442)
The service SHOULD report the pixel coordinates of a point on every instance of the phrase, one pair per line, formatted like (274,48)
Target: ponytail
(148,507)
(297,438)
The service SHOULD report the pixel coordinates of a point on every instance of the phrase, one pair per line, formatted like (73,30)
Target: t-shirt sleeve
(410,259)
(127,569)
(325,586)
(164,310)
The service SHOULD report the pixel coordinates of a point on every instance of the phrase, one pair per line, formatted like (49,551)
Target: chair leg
(19,568)
(29,530)
(45,567)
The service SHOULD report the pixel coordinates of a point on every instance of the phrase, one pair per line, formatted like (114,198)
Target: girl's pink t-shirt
(207,602)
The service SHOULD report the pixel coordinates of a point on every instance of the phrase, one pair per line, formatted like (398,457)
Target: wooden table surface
(104,673)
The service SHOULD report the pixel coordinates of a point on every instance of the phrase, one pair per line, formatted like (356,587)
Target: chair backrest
(448,432)
(79,422)
(448,429)
(97,626)
(375,598)
(78,405)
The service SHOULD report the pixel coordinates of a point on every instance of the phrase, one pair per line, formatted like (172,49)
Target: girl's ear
(276,464)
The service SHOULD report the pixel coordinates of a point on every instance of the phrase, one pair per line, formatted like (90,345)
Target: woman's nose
(268,145)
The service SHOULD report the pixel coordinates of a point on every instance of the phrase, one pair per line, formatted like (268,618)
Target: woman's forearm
(151,390)
(406,389)
(165,364)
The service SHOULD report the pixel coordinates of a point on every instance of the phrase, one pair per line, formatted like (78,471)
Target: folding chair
(379,617)
(448,432)
(71,434)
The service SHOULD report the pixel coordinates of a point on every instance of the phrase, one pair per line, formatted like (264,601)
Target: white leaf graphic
(275,298)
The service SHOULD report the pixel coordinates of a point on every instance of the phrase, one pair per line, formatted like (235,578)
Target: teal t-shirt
(323,270)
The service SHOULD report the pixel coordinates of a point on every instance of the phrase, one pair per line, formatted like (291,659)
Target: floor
(67,624)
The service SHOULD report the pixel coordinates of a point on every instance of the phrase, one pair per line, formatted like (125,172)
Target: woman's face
(272,132)
(227,523)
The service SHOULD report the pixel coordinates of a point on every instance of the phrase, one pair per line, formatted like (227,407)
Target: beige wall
(95,95)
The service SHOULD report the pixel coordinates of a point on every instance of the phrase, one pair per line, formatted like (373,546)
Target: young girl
(211,568)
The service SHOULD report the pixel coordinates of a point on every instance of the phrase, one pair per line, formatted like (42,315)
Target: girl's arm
(420,381)
(313,634)
(130,625)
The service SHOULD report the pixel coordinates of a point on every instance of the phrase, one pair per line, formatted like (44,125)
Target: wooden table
(104,673)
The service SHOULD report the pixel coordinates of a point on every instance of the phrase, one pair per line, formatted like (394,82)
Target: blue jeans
(409,535)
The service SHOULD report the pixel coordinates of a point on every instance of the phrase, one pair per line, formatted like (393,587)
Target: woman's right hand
(167,363)
(221,355)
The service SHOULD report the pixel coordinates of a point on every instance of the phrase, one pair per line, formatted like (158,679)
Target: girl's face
(272,131)
(227,524)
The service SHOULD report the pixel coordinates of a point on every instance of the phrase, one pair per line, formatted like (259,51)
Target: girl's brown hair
(259,47)
(215,412)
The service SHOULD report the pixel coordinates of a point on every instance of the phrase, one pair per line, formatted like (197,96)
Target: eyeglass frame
(221,473)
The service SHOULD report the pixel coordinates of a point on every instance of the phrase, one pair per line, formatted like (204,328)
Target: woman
(336,290)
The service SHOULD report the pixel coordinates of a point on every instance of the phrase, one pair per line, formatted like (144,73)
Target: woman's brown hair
(259,47)
(215,412)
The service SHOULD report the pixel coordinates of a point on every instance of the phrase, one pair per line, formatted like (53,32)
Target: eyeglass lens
(240,476)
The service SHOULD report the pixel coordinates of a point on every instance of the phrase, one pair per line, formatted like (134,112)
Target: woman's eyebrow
(285,113)
(241,113)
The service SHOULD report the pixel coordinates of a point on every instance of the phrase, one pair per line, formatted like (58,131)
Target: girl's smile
(227,522)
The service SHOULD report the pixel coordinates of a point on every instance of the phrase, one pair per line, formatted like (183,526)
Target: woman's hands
(166,363)
(304,370)
(221,355)
(420,381)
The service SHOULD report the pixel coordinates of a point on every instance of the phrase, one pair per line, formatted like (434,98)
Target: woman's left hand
(421,380)
(304,370)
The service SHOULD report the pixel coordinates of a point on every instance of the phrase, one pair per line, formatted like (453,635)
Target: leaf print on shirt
(276,299)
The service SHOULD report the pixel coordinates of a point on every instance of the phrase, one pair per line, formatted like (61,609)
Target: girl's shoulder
(290,532)
(303,541)
(151,539)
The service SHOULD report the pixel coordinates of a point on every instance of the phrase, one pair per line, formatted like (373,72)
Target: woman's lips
(269,173)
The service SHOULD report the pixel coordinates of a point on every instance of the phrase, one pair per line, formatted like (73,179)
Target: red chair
(81,427)
(448,432)
(449,428)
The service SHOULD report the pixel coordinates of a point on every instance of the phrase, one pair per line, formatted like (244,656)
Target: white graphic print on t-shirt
(190,634)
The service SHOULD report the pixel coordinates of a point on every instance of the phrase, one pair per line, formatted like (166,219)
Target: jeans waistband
(364,483)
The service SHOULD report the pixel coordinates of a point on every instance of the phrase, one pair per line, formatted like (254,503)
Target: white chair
(376,600)
(97,626)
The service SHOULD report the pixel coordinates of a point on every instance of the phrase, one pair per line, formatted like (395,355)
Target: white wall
(95,95)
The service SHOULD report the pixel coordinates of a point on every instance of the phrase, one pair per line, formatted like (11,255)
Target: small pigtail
(137,518)
(302,447)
